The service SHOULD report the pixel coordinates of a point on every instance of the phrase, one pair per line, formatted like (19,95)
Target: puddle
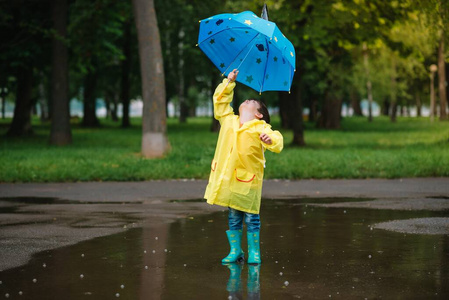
(307,252)
(49,200)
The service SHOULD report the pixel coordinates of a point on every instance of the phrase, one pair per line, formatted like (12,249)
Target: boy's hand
(266,139)
(232,76)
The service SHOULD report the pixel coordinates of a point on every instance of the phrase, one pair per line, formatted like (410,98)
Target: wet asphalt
(67,220)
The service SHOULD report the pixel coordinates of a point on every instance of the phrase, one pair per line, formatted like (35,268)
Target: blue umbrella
(256,47)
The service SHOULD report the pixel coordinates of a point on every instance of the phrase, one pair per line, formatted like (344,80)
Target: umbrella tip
(264,14)
(199,21)
(197,46)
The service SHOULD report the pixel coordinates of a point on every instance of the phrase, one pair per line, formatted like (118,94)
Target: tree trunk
(355,104)
(125,83)
(386,107)
(368,83)
(107,104)
(90,102)
(60,133)
(21,122)
(283,109)
(330,113)
(114,108)
(393,95)
(154,127)
(295,113)
(183,107)
(394,111)
(42,99)
(442,80)
(418,104)
(313,109)
(3,95)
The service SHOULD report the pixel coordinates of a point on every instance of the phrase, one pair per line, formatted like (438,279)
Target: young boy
(237,169)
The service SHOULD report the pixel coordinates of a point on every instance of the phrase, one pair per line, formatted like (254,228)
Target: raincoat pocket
(213,165)
(242,181)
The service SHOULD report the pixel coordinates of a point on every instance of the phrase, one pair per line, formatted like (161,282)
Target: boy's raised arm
(223,97)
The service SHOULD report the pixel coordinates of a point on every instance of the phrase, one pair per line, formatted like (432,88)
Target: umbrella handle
(221,94)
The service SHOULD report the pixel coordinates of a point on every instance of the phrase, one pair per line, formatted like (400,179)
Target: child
(237,169)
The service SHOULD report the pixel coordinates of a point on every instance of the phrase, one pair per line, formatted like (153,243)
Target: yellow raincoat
(237,168)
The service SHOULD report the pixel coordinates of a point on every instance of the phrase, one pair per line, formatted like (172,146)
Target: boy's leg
(252,222)
(234,234)
(235,219)
(253,233)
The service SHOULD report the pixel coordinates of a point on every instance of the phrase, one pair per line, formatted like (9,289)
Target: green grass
(412,147)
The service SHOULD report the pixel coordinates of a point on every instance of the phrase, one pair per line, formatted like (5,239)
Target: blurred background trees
(352,55)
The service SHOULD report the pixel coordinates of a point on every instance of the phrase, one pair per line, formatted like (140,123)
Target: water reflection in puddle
(307,252)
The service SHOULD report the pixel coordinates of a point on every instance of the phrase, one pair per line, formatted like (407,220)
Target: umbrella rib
(239,54)
(265,70)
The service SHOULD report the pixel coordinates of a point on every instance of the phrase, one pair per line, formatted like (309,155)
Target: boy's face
(250,107)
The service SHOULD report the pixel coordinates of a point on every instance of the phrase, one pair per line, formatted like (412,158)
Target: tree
(24,27)
(60,125)
(154,139)
(436,15)
(95,32)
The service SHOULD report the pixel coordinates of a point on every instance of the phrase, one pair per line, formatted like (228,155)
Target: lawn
(411,147)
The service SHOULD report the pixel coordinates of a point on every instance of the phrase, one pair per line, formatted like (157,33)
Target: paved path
(194,189)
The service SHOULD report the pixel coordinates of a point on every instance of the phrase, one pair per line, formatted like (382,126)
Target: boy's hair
(264,111)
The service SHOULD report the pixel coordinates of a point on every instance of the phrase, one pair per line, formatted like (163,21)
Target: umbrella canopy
(256,47)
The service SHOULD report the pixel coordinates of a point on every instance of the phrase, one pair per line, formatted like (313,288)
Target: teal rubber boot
(253,247)
(253,284)
(236,254)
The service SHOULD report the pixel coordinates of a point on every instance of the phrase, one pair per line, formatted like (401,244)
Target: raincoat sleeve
(222,107)
(277,141)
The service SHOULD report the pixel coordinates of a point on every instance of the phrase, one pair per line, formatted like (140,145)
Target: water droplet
(229,297)
(305,212)
(117,295)
(1,282)
(154,251)
(146,267)
(145,251)
(369,256)
(280,273)
(20,293)
(82,255)
(7,295)
(344,211)
(44,265)
(330,296)
(122,286)
(81,276)
(185,265)
(156,238)
(286,283)
(165,250)
(276,261)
